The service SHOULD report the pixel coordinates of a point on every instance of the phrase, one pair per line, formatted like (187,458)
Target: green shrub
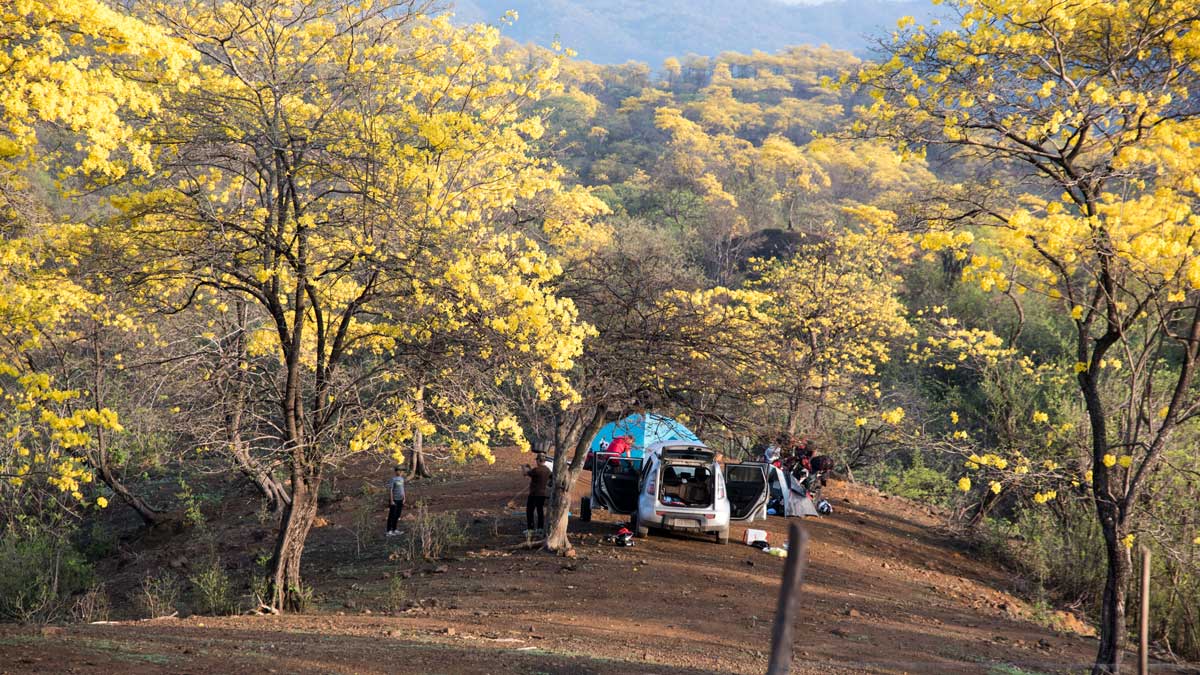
(431,534)
(260,589)
(1063,549)
(100,542)
(213,589)
(397,593)
(192,512)
(304,598)
(917,482)
(39,574)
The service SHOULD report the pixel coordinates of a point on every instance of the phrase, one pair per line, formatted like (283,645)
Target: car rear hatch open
(686,483)
(694,453)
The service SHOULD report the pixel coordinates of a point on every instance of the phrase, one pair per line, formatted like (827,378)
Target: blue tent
(646,430)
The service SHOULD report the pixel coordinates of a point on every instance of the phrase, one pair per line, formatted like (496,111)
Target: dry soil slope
(886,592)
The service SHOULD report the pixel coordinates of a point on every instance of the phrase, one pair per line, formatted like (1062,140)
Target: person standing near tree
(396,503)
(539,489)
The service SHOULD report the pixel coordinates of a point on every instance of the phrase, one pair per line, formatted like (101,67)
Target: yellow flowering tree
(80,67)
(1090,108)
(361,176)
(834,316)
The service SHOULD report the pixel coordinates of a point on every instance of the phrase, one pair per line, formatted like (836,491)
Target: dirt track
(885,593)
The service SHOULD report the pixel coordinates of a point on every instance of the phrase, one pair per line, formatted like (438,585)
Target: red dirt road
(885,593)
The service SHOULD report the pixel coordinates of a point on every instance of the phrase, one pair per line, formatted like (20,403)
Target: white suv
(679,487)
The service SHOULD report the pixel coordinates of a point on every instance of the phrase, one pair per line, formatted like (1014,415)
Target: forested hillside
(253,247)
(615,31)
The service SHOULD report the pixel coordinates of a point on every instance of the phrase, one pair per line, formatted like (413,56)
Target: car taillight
(720,489)
(650,487)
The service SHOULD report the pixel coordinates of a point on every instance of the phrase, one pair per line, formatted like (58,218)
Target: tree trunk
(1112,524)
(419,468)
(1113,635)
(272,491)
(286,585)
(792,423)
(99,459)
(563,480)
(149,516)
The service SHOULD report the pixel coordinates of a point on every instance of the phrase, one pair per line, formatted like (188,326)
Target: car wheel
(585,509)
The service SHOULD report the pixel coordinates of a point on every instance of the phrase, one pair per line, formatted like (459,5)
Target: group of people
(788,452)
(535,505)
(806,473)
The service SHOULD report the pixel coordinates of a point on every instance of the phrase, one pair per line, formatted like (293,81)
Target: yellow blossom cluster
(52,55)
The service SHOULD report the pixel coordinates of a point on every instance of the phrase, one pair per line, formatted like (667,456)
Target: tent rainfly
(645,430)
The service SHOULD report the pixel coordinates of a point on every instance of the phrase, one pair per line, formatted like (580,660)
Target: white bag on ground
(751,535)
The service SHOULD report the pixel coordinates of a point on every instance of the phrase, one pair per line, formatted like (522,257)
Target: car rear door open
(746,485)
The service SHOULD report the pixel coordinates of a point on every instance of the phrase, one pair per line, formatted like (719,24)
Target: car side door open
(616,483)
(746,485)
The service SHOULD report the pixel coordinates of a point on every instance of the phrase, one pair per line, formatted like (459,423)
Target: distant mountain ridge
(615,31)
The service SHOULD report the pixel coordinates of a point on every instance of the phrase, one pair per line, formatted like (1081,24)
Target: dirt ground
(886,592)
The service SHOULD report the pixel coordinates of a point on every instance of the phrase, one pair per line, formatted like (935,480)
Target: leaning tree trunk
(286,584)
(100,459)
(272,490)
(149,516)
(563,480)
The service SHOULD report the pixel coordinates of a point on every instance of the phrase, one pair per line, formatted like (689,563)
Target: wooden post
(1144,624)
(785,610)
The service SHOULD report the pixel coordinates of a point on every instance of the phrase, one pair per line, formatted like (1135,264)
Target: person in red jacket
(620,446)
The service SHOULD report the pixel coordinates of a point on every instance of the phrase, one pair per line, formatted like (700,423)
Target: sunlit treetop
(80,65)
(371,180)
(1091,105)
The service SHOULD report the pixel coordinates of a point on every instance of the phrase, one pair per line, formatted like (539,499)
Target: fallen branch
(527,545)
(262,610)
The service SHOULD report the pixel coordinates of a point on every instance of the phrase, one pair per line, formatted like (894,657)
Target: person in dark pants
(539,489)
(396,503)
